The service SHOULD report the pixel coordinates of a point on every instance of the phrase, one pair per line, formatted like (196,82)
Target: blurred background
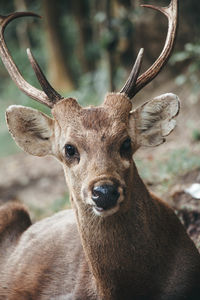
(87,48)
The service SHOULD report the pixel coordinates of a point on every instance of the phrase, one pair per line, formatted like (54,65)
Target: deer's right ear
(30,129)
(154,120)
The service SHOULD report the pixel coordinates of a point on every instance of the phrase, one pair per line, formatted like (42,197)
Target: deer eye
(70,150)
(125,147)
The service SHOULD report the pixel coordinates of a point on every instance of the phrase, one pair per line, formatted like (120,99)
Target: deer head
(94,144)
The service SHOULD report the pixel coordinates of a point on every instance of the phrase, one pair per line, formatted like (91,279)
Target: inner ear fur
(154,120)
(32,130)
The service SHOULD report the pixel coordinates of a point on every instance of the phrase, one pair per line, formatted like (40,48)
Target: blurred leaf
(100,17)
(180,56)
(181,79)
(191,57)
(196,135)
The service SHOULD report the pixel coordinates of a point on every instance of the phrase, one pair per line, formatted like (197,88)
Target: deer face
(95,144)
(96,151)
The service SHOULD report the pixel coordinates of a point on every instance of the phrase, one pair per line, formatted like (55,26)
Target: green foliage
(196,135)
(178,162)
(164,171)
(92,87)
(59,204)
(190,56)
(9,93)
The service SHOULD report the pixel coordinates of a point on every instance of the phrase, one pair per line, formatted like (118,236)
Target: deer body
(136,249)
(120,242)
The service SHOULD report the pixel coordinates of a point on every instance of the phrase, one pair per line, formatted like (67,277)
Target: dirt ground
(40,184)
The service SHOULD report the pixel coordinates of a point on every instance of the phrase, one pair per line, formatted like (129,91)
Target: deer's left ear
(154,120)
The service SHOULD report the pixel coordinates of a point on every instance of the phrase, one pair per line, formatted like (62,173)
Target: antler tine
(14,72)
(127,88)
(171,12)
(47,88)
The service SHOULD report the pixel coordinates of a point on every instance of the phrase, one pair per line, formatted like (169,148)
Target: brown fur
(13,219)
(136,250)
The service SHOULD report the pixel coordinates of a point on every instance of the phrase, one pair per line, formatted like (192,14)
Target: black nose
(105,196)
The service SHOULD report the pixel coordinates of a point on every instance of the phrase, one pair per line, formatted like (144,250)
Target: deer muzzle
(105,196)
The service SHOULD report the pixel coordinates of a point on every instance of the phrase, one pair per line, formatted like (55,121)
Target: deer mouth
(99,211)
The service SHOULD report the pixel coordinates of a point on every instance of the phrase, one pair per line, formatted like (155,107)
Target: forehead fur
(119,105)
(116,107)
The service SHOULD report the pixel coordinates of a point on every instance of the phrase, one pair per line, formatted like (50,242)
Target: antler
(133,85)
(49,96)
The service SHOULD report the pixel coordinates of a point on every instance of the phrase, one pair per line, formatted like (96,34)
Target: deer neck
(112,245)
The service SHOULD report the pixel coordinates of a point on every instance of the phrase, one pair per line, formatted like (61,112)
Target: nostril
(97,192)
(105,196)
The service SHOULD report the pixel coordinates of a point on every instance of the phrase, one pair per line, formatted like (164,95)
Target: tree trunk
(111,48)
(22,27)
(82,13)
(59,70)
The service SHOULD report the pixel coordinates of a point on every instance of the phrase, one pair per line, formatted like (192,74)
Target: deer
(119,241)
